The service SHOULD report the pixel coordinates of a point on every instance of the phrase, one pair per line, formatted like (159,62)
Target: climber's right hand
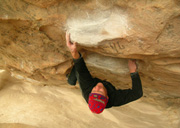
(72,46)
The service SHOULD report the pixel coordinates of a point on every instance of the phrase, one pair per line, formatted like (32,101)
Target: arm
(85,77)
(72,47)
(125,96)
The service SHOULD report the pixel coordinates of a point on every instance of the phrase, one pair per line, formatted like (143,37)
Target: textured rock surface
(32,105)
(32,41)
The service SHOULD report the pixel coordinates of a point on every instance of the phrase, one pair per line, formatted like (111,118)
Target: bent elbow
(139,95)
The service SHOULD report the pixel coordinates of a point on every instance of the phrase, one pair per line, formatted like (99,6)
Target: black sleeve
(85,78)
(121,97)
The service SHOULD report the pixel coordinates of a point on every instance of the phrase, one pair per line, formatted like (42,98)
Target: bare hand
(72,46)
(132,66)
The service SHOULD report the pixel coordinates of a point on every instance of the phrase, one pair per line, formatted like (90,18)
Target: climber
(100,94)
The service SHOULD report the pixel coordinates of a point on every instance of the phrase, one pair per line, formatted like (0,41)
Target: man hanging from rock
(101,94)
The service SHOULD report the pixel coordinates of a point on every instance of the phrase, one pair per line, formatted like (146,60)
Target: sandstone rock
(29,104)
(15,125)
(32,41)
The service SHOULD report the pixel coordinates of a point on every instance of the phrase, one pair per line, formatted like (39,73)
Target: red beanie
(97,102)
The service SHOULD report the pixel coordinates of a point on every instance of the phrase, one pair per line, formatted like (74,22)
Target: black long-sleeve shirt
(116,97)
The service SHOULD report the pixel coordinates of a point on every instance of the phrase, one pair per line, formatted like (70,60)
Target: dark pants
(73,76)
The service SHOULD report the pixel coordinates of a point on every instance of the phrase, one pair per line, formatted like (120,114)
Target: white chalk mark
(98,26)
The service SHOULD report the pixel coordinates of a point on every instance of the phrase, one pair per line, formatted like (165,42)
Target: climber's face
(100,89)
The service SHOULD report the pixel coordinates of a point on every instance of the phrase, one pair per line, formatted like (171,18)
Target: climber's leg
(72,77)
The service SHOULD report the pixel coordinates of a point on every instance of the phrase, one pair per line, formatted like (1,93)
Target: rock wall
(32,41)
(29,104)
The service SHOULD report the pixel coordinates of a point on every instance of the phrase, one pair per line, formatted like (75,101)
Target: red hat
(97,102)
